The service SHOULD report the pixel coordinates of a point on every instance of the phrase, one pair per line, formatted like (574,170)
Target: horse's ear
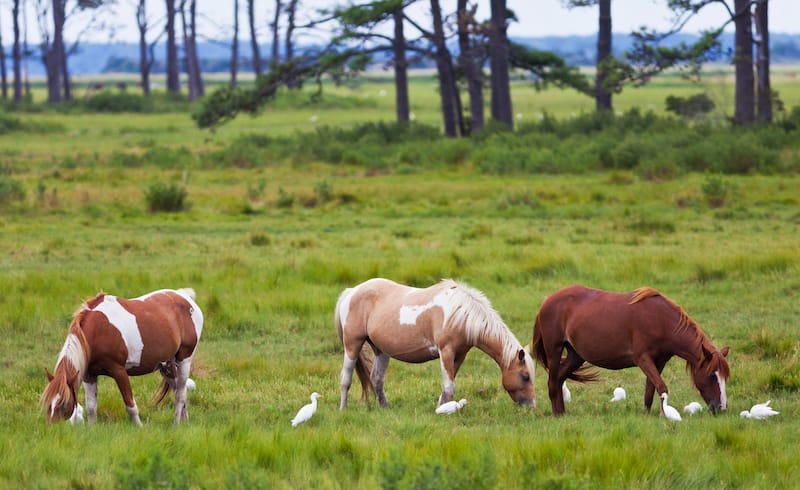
(49,375)
(707,353)
(725,350)
(521,355)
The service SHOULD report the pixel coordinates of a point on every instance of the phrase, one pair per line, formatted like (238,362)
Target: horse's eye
(525,377)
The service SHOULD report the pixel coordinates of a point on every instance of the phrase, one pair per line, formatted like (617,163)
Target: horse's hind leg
(181,412)
(378,377)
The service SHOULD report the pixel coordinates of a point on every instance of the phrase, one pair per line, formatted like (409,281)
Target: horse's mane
(472,309)
(700,341)
(72,361)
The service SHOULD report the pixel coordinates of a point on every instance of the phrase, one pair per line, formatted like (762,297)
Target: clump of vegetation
(10,190)
(690,107)
(170,198)
(716,191)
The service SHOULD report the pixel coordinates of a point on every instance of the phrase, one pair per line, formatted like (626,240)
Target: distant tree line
(470,54)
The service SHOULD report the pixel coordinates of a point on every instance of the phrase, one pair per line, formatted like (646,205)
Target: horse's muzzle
(715,408)
(527,403)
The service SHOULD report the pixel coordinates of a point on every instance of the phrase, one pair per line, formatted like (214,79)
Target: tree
(448,91)
(196,88)
(763,87)
(235,44)
(604,62)
(291,10)
(470,61)
(275,26)
(744,112)
(173,69)
(251,20)
(17,54)
(499,64)
(146,54)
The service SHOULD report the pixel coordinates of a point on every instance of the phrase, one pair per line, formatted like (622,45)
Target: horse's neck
(494,348)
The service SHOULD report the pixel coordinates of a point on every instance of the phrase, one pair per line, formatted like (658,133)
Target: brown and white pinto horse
(621,330)
(119,337)
(418,325)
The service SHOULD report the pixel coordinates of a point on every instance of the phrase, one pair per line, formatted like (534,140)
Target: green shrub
(716,191)
(107,101)
(10,190)
(692,106)
(163,197)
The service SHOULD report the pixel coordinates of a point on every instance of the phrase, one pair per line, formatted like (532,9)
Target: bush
(10,190)
(170,198)
(107,101)
(690,107)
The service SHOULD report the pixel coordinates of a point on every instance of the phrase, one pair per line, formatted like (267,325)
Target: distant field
(268,250)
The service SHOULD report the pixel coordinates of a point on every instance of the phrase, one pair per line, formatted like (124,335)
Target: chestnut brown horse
(119,337)
(418,325)
(621,330)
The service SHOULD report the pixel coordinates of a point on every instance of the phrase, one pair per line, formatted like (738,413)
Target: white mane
(471,308)
(73,353)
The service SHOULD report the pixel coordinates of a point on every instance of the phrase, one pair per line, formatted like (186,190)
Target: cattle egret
(692,408)
(669,412)
(307,411)
(190,384)
(619,394)
(565,392)
(450,407)
(77,415)
(759,411)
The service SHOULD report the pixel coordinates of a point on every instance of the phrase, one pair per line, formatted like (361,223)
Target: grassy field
(267,275)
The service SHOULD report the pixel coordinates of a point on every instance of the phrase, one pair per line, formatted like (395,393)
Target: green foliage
(716,191)
(108,101)
(11,190)
(170,198)
(690,107)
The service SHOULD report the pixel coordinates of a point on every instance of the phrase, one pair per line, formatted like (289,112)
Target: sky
(536,17)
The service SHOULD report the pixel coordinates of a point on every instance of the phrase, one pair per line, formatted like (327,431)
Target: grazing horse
(119,337)
(418,325)
(621,330)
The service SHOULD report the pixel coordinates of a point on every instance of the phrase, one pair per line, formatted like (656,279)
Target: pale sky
(536,17)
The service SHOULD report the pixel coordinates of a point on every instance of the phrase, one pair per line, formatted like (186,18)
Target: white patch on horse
(409,314)
(344,305)
(197,315)
(125,323)
(723,398)
(53,404)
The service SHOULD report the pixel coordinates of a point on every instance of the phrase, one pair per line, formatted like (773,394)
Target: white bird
(307,411)
(692,408)
(77,415)
(759,411)
(619,394)
(190,384)
(669,411)
(451,406)
(565,393)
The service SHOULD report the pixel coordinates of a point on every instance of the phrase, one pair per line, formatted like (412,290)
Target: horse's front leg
(378,377)
(654,381)
(650,388)
(449,362)
(90,388)
(124,384)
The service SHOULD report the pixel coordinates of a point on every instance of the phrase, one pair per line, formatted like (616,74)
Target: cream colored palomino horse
(418,325)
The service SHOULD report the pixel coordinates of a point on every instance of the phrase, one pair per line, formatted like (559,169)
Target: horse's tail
(537,347)
(163,389)
(363,363)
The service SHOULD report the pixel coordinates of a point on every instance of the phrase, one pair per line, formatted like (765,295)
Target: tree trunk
(144,63)
(499,64)
(173,68)
(276,38)
(254,38)
(446,78)
(197,74)
(17,56)
(400,69)
(235,45)
(763,89)
(602,95)
(65,73)
(187,50)
(3,74)
(743,61)
(291,9)
(472,72)
(54,64)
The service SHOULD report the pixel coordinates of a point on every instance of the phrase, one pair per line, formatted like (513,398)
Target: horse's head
(60,396)
(710,377)
(518,379)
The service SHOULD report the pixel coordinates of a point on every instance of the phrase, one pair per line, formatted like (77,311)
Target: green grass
(267,276)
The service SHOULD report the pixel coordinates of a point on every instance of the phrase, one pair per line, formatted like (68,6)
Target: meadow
(268,249)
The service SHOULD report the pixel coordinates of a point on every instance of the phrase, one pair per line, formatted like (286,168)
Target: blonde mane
(72,361)
(472,309)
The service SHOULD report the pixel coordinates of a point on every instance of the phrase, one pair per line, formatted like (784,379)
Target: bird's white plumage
(77,415)
(759,411)
(619,394)
(670,412)
(566,393)
(307,411)
(190,384)
(451,407)
(692,408)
